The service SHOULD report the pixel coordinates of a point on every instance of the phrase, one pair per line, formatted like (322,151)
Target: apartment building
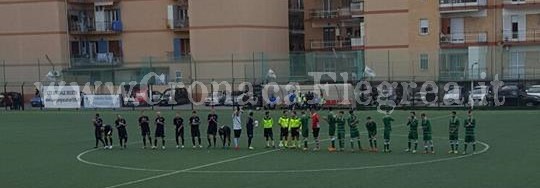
(426,40)
(122,40)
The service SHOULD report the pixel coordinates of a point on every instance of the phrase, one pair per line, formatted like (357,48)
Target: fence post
(5,92)
(22,97)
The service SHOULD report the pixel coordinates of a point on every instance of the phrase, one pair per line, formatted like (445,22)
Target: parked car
(531,100)
(2,97)
(533,90)
(513,95)
(481,95)
(454,96)
(176,96)
(215,99)
(36,102)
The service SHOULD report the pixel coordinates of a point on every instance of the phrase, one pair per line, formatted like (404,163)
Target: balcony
(99,60)
(95,28)
(356,9)
(463,39)
(179,25)
(92,1)
(350,44)
(525,37)
(458,6)
(521,4)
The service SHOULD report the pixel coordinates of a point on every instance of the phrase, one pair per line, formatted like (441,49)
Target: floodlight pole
(471,100)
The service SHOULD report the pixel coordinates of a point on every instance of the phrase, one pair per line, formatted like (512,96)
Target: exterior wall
(24,38)
(216,37)
(424,44)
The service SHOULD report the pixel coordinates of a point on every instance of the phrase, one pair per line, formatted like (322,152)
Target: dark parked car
(36,102)
(178,96)
(514,95)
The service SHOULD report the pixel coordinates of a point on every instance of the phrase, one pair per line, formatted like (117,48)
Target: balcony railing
(180,24)
(460,5)
(509,3)
(356,8)
(463,38)
(100,60)
(337,44)
(105,27)
(524,36)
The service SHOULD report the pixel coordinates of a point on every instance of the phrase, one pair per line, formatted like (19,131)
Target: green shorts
(305,133)
(372,133)
(386,135)
(470,139)
(332,130)
(453,136)
(413,135)
(355,134)
(427,137)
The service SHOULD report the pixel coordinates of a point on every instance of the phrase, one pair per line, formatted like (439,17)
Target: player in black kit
(145,128)
(212,127)
(98,130)
(225,135)
(194,122)
(179,129)
(160,130)
(121,126)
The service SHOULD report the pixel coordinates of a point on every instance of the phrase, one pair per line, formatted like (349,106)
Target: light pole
(471,100)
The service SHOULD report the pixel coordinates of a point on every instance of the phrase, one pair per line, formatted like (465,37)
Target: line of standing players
(292,125)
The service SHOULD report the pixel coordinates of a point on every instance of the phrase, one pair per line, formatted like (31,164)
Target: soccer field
(54,149)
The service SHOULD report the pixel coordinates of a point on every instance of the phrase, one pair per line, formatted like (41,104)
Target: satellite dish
(54,75)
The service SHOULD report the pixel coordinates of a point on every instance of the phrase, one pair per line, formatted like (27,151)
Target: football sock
(409,145)
(375,143)
(144,141)
(333,144)
(452,146)
(305,143)
(155,141)
(465,148)
(473,147)
(150,140)
(359,145)
(177,141)
(162,141)
(199,139)
(249,141)
(110,141)
(193,140)
(209,141)
(235,142)
(371,144)
(415,146)
(352,144)
(214,139)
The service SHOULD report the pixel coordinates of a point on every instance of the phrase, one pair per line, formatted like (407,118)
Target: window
(178,76)
(424,61)
(424,26)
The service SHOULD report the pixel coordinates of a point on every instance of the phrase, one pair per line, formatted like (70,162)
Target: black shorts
(179,132)
(145,130)
(295,132)
(160,133)
(316,132)
(98,134)
(284,131)
(268,132)
(122,134)
(237,133)
(212,129)
(195,132)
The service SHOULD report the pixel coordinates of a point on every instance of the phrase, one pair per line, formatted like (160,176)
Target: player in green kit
(331,119)
(470,125)
(353,127)
(371,127)
(387,121)
(304,119)
(268,123)
(413,133)
(427,131)
(340,123)
(453,132)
